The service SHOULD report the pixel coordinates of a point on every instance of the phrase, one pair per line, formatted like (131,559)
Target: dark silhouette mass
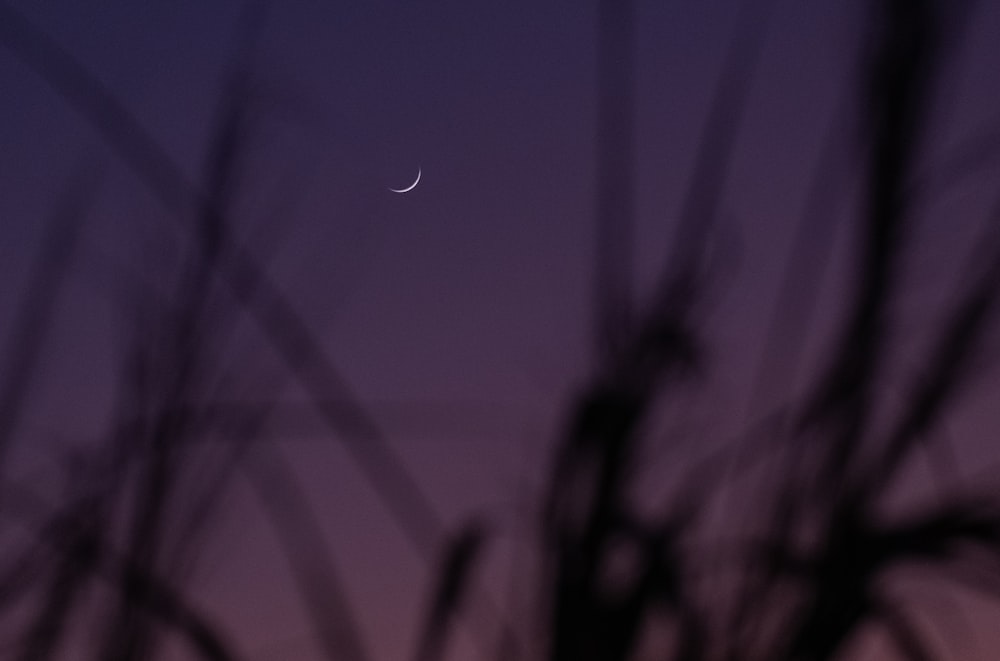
(645,535)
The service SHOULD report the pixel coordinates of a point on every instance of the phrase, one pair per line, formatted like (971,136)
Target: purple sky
(459,311)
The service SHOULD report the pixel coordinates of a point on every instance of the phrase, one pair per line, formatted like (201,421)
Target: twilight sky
(459,312)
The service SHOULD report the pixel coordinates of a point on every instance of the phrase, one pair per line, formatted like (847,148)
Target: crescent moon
(410,187)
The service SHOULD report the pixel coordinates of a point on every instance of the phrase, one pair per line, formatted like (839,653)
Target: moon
(410,187)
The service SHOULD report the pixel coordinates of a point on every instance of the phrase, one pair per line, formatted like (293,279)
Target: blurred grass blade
(457,571)
(158,598)
(33,319)
(309,556)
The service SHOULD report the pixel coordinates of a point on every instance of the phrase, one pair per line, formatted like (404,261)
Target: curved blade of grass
(159,598)
(459,562)
(286,330)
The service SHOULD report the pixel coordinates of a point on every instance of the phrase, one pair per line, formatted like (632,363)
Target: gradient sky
(459,311)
